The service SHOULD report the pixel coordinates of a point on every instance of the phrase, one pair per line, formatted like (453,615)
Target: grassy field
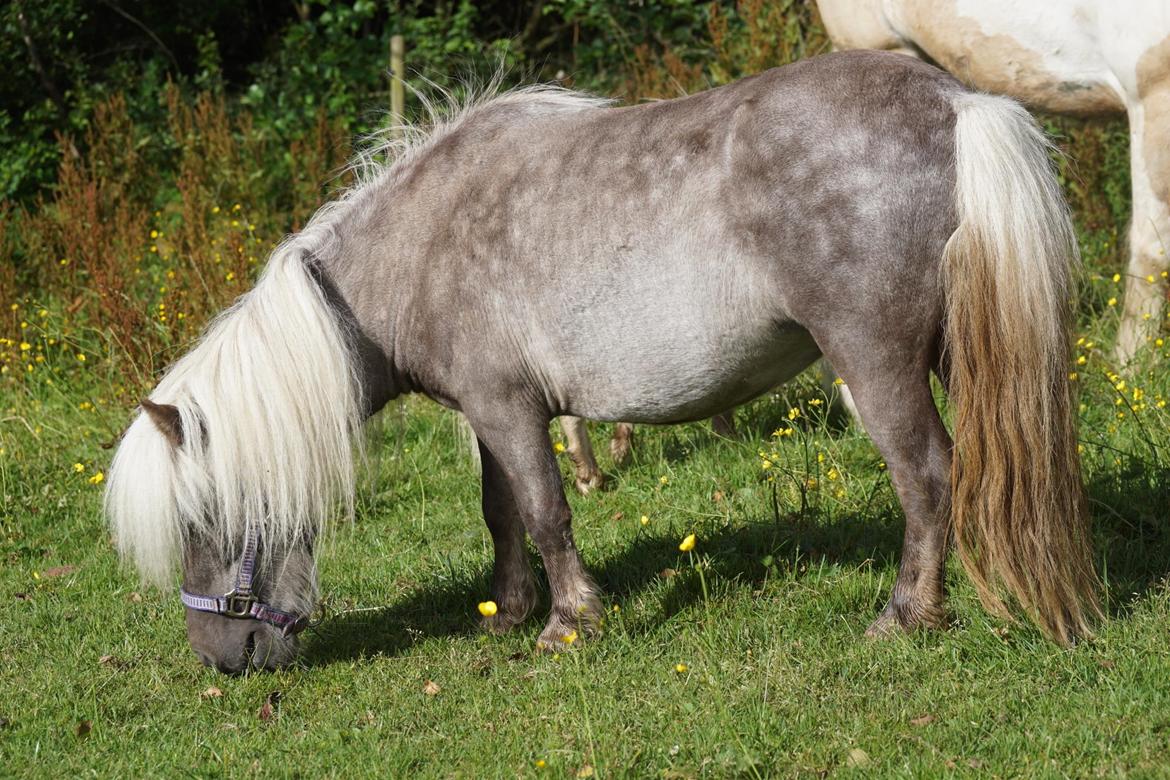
(742,658)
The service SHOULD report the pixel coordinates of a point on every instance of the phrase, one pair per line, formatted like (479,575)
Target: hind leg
(622,441)
(892,391)
(723,424)
(580,449)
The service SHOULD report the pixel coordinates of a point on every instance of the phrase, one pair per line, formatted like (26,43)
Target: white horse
(1080,57)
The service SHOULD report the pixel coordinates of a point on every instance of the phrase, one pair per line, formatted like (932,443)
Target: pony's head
(233,468)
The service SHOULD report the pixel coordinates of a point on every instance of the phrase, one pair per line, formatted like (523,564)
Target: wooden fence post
(397,91)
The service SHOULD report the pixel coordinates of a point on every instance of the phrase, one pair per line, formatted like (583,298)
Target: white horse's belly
(1050,54)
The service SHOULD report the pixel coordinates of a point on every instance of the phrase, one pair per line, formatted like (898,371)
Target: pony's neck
(367,307)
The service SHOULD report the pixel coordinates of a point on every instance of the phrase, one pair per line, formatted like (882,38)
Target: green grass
(96,676)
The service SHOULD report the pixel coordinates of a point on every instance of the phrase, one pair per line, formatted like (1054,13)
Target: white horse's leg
(1149,235)
(467,438)
(580,449)
(839,394)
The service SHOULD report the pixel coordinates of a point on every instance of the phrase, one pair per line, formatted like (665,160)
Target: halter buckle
(238,603)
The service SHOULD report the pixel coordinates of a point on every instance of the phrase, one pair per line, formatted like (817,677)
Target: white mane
(270,408)
(270,403)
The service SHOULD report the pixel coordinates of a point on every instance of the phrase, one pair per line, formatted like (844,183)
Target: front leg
(518,455)
(513,588)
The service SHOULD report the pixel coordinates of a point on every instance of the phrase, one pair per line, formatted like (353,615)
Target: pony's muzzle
(239,645)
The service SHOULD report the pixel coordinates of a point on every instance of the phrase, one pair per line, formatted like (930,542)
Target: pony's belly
(693,383)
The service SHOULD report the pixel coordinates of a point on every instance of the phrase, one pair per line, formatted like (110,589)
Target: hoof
(561,634)
(556,644)
(619,445)
(587,483)
(896,622)
(500,623)
(885,626)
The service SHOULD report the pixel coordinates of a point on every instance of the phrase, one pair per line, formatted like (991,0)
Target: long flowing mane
(270,402)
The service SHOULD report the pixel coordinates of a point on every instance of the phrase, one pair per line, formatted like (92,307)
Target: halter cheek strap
(241,602)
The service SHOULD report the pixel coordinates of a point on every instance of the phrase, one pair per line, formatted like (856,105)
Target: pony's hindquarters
(1019,514)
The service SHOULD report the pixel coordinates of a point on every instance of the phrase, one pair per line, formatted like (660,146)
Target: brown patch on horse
(1153,82)
(167,419)
(1000,63)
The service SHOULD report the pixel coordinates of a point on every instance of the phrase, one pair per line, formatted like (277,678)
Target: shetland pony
(540,253)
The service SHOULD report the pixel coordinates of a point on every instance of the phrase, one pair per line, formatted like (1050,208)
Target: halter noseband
(241,602)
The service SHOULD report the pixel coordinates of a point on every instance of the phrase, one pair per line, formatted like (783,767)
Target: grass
(96,676)
(795,559)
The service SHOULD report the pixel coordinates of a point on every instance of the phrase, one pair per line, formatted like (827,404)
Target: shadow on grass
(742,556)
(1131,528)
(1131,532)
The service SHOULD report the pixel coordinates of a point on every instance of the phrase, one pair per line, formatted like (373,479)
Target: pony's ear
(167,419)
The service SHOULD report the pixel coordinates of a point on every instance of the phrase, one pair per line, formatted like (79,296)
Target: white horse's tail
(1018,509)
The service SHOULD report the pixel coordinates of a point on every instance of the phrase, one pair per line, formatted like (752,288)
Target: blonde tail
(1018,509)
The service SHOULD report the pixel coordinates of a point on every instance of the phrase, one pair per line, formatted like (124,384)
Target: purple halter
(241,601)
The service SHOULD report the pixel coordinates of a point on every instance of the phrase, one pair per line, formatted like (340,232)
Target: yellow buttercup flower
(680,668)
(97,478)
(77,467)
(645,520)
(570,637)
(488,608)
(558,447)
(687,544)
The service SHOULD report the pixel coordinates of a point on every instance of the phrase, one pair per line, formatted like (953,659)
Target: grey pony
(665,262)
